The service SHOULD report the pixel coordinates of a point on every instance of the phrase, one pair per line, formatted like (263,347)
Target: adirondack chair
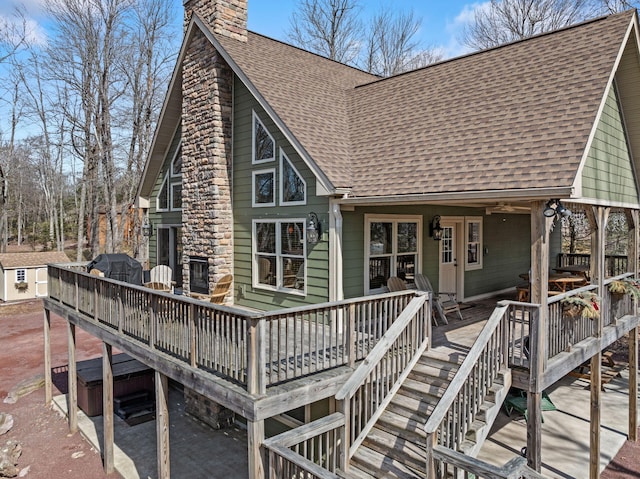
(396,284)
(221,289)
(161,278)
(443,302)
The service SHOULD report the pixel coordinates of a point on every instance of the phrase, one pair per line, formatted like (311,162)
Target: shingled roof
(513,117)
(32,259)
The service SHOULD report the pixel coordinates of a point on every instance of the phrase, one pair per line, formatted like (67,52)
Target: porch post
(632,265)
(107,408)
(47,359)
(72,378)
(599,220)
(255,438)
(539,279)
(162,425)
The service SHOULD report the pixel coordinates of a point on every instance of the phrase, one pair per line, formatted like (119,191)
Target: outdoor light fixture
(314,230)
(147,230)
(554,207)
(435,230)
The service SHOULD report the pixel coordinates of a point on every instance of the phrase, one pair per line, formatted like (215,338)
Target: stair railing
(373,384)
(460,404)
(456,464)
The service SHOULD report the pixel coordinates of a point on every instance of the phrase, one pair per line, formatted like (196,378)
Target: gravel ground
(49,451)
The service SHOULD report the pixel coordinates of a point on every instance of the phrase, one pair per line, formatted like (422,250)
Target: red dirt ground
(51,452)
(48,450)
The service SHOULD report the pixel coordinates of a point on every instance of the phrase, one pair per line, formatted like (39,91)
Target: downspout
(336,292)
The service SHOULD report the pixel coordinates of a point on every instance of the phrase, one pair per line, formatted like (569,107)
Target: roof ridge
(505,45)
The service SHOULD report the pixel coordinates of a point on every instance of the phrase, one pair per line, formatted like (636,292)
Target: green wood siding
(317,283)
(158,218)
(608,173)
(506,240)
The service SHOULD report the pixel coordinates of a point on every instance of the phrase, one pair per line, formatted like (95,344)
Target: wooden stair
(395,447)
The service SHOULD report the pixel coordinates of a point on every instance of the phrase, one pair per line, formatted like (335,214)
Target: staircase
(395,447)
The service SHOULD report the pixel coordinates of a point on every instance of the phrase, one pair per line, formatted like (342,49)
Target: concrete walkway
(197,451)
(565,432)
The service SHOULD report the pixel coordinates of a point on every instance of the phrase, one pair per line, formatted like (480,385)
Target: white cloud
(455,28)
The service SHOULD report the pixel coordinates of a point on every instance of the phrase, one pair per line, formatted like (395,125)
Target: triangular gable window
(162,200)
(263,143)
(293,188)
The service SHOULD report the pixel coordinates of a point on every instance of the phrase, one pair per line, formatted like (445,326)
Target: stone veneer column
(207,106)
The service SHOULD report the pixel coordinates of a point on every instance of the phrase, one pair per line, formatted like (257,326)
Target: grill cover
(120,267)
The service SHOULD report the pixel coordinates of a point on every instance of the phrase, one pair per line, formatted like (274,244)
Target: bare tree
(504,21)
(13,34)
(390,45)
(328,27)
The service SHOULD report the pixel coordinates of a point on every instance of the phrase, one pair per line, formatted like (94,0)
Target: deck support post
(539,278)
(255,438)
(633,220)
(162,425)
(598,218)
(107,408)
(48,383)
(72,378)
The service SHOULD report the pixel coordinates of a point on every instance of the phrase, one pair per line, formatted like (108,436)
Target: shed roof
(32,259)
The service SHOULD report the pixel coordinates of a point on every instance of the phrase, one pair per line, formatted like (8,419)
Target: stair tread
(434,371)
(418,407)
(402,423)
(405,451)
(381,466)
(424,388)
(449,357)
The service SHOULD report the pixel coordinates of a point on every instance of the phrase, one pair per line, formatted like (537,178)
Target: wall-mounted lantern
(314,230)
(435,230)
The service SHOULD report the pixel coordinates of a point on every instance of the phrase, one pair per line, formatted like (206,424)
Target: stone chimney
(224,17)
(207,101)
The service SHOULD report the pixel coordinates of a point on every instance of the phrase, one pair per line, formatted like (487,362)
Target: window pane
(267,270)
(381,234)
(266,238)
(447,245)
(293,273)
(379,272)
(163,196)
(407,237)
(264,188)
(176,196)
(264,144)
(177,163)
(406,267)
(474,232)
(163,246)
(292,238)
(292,185)
(472,253)
(21,275)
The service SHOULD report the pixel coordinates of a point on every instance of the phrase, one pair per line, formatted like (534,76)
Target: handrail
(372,386)
(514,468)
(447,399)
(377,353)
(311,449)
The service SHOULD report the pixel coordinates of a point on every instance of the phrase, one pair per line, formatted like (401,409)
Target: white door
(450,277)
(41,282)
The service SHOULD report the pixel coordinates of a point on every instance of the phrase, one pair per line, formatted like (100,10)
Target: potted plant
(625,286)
(22,285)
(583,305)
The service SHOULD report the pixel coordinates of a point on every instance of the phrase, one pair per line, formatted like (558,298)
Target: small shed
(24,275)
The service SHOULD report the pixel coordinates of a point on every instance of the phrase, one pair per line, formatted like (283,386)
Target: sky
(442,21)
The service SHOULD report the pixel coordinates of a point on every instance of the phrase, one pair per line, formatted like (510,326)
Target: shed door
(41,282)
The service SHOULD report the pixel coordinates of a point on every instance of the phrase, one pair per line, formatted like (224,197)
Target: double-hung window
(279,254)
(392,249)
(473,238)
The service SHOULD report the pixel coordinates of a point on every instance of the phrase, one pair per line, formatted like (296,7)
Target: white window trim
(467,221)
(166,182)
(175,156)
(283,158)
(254,118)
(272,171)
(278,255)
(24,274)
(370,218)
(171,185)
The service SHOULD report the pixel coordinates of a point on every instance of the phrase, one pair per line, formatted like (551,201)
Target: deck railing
(461,403)
(456,464)
(254,349)
(311,451)
(614,264)
(372,386)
